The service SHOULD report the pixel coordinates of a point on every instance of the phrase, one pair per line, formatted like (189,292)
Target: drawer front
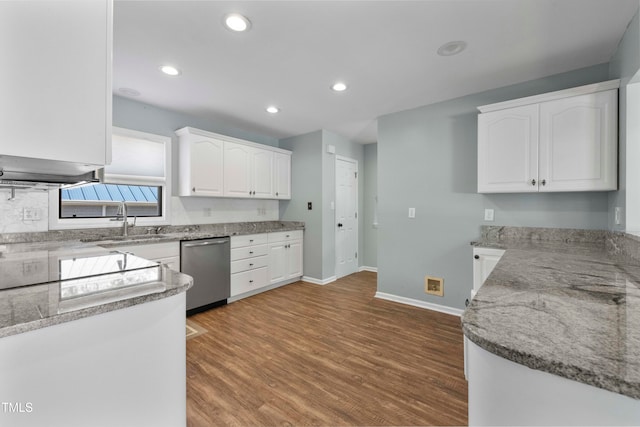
(249,239)
(248,252)
(285,236)
(249,280)
(249,264)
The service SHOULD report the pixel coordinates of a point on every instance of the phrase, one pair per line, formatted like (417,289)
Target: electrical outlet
(488,214)
(207,212)
(31,214)
(617,211)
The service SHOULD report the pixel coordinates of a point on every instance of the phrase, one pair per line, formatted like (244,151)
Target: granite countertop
(111,237)
(48,283)
(570,308)
(45,300)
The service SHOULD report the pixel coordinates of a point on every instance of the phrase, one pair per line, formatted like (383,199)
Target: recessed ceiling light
(272,109)
(339,87)
(452,48)
(236,22)
(127,91)
(170,70)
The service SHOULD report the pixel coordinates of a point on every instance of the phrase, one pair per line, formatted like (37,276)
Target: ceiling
(384,50)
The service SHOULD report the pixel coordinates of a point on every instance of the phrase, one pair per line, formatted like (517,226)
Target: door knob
(339,224)
(533,182)
(476,256)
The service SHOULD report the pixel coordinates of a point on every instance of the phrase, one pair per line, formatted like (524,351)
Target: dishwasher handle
(205,243)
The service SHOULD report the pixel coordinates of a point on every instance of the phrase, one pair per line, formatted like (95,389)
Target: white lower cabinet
(484,261)
(166,253)
(285,255)
(249,280)
(263,261)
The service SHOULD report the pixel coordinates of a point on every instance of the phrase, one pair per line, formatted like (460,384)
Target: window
(138,176)
(104,200)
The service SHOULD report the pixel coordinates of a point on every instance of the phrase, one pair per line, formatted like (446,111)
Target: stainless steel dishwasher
(208,261)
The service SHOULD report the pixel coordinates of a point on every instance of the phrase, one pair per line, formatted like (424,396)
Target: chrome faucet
(121,215)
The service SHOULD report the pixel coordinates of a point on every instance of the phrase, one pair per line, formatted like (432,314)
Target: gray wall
(135,115)
(370,230)
(306,186)
(313,178)
(624,65)
(427,159)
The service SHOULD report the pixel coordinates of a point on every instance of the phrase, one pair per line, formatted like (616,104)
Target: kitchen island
(90,337)
(553,336)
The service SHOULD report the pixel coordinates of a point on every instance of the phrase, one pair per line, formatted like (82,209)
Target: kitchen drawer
(285,236)
(249,239)
(248,252)
(249,280)
(249,264)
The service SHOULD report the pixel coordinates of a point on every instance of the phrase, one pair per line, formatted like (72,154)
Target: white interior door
(346,216)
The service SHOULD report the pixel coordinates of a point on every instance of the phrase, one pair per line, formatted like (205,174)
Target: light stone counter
(35,257)
(563,303)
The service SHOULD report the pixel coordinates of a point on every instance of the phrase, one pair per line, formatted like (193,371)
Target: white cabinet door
(508,150)
(578,143)
(277,262)
(237,170)
(294,259)
(262,173)
(484,261)
(282,175)
(55,87)
(206,172)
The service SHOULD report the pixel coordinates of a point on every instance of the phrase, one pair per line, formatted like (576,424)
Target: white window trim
(56,223)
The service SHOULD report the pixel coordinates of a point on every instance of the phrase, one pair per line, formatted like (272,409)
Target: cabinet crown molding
(550,96)
(193,131)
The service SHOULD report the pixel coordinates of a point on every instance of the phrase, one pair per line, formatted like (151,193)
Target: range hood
(42,174)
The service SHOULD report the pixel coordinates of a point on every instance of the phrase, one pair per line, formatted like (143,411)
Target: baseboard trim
(318,281)
(260,290)
(421,304)
(371,269)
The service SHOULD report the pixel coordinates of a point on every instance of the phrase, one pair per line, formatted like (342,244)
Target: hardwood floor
(331,355)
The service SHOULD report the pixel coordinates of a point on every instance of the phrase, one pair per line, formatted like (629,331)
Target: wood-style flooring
(310,355)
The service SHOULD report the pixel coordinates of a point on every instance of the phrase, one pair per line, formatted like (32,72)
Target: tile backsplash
(12,212)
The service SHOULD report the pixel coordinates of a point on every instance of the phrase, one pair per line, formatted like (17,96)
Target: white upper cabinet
(201,164)
(282,175)
(562,141)
(248,171)
(578,143)
(56,82)
(237,170)
(508,150)
(216,165)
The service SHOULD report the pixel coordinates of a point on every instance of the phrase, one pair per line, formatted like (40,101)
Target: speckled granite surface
(36,306)
(151,234)
(50,302)
(567,303)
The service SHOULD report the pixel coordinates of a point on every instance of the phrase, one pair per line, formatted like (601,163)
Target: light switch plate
(618,215)
(488,214)
(412,212)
